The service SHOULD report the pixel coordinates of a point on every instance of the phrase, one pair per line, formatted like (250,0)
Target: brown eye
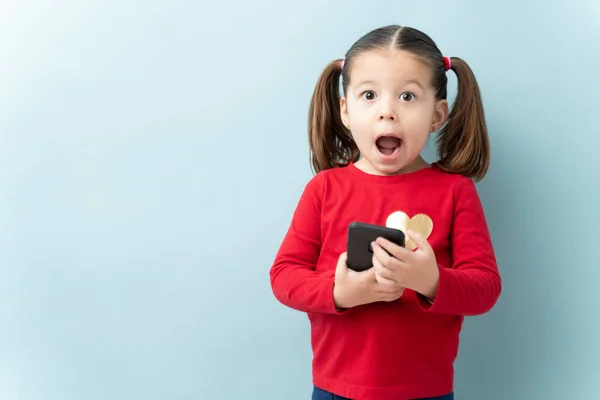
(369,95)
(407,96)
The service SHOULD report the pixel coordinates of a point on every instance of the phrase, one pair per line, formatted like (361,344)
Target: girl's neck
(417,164)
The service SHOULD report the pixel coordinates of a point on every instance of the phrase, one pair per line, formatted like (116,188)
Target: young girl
(390,332)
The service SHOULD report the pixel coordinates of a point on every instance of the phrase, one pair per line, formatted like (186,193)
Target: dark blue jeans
(320,394)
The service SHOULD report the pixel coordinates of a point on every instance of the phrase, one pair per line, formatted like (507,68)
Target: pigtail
(463,144)
(331,143)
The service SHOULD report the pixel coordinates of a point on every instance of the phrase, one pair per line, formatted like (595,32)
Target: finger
(422,243)
(385,282)
(341,269)
(342,261)
(387,261)
(381,255)
(369,275)
(396,251)
(382,270)
(383,275)
(388,283)
(393,295)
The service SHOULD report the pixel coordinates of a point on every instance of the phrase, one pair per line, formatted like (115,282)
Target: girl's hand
(416,270)
(353,288)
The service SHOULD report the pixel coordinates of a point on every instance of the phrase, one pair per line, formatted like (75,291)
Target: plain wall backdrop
(152,154)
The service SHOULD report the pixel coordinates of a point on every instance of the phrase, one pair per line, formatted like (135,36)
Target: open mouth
(388,145)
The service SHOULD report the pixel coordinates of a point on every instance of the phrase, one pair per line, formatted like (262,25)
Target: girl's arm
(472,285)
(294,281)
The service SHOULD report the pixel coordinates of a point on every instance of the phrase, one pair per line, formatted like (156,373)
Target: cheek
(359,121)
(361,137)
(417,130)
(355,112)
(420,122)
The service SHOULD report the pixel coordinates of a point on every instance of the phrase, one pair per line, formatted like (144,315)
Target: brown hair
(463,144)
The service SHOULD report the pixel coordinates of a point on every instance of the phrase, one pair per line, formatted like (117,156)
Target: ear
(344,112)
(440,115)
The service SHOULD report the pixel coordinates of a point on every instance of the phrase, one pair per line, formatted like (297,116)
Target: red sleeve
(472,286)
(294,281)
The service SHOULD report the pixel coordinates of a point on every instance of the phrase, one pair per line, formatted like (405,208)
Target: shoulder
(327,177)
(447,179)
(326,184)
(317,184)
(462,188)
(451,179)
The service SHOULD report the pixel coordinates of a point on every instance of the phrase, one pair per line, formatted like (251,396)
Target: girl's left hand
(416,270)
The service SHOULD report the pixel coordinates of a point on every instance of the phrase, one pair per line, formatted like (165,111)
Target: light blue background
(146,148)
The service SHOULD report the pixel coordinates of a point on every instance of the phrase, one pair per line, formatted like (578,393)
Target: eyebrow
(415,82)
(408,81)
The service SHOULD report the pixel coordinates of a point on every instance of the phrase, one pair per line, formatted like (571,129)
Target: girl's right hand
(353,288)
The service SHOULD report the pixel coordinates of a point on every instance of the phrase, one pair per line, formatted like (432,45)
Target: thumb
(370,275)
(341,269)
(422,243)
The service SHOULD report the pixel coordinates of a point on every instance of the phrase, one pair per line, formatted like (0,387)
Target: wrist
(339,298)
(430,290)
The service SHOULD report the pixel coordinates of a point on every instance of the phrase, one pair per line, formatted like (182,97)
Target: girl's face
(390,107)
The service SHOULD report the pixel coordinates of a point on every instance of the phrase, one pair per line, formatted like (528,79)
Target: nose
(387,111)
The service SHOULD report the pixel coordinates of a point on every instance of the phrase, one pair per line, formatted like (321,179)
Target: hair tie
(343,61)
(447,63)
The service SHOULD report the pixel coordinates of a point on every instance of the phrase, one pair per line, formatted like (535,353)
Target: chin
(386,168)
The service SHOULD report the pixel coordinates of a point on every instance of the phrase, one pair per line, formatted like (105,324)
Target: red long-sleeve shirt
(403,349)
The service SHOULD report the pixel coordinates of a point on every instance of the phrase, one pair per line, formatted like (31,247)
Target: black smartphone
(360,237)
